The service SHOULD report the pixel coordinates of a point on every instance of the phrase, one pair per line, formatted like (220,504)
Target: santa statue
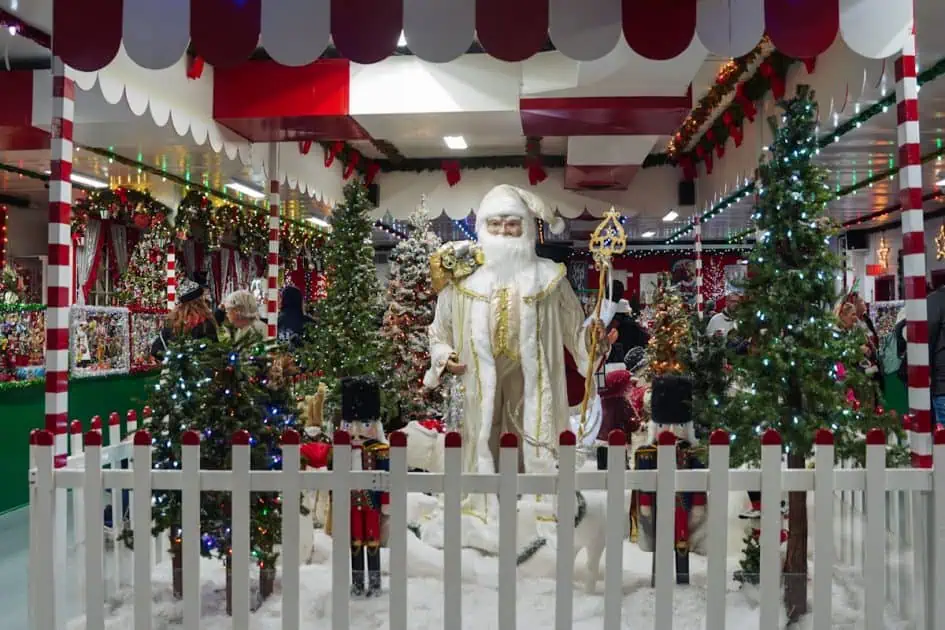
(504,318)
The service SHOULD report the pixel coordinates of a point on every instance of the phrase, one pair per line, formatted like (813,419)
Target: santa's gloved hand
(697,516)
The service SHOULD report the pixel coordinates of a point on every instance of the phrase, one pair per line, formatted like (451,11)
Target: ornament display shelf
(24,409)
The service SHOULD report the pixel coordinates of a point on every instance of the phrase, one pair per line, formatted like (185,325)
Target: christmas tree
(348,340)
(669,342)
(410,310)
(144,283)
(706,361)
(801,373)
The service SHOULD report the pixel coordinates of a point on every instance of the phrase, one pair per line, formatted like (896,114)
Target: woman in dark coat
(191,316)
(292,320)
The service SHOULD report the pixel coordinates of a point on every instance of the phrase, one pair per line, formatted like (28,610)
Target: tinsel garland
(6,386)
(21,308)
(126,205)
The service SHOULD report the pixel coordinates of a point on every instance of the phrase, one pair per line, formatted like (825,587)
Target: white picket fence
(92,470)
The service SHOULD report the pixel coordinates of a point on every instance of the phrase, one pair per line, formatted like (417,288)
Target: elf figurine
(671,410)
(360,414)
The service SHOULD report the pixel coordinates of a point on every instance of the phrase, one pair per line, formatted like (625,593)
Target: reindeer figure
(316,453)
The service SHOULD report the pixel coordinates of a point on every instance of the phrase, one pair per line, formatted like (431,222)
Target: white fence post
(824,550)
(615,529)
(665,517)
(340,530)
(508,530)
(567,512)
(875,552)
(770,537)
(291,542)
(717,543)
(239,526)
(142,529)
(397,533)
(44,531)
(452,532)
(190,527)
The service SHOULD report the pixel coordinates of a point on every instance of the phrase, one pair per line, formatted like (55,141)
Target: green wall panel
(22,410)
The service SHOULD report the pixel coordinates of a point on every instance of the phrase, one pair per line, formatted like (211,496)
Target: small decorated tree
(410,310)
(671,335)
(706,361)
(801,373)
(144,283)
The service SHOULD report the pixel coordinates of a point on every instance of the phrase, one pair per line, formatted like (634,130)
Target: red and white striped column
(272,307)
(913,249)
(699,298)
(171,275)
(3,236)
(59,280)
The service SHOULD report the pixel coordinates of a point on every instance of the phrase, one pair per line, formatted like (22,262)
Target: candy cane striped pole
(59,281)
(698,232)
(171,275)
(913,250)
(273,259)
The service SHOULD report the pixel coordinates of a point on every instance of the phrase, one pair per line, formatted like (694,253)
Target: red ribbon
(451,168)
(372,170)
(774,79)
(737,134)
(688,168)
(333,152)
(536,172)
(353,158)
(748,108)
(720,150)
(708,163)
(810,65)
(305,146)
(195,69)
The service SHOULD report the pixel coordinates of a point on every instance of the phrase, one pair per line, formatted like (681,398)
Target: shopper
(191,315)
(242,313)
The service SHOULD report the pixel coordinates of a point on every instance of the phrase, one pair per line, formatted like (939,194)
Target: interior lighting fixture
(322,223)
(648,234)
(243,189)
(85,180)
(670,216)
(941,183)
(402,40)
(456,143)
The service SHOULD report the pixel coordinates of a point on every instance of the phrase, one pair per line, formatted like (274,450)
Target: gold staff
(608,240)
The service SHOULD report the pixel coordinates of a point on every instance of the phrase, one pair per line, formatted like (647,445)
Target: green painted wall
(22,410)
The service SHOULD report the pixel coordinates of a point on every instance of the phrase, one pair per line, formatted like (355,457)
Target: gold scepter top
(608,240)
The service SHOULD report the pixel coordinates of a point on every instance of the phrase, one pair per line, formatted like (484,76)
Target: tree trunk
(229,588)
(267,582)
(795,562)
(177,570)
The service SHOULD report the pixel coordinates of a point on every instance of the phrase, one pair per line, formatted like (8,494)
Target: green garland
(6,309)
(6,386)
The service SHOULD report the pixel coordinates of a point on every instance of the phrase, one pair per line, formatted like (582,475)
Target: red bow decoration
(810,64)
(708,163)
(536,172)
(432,424)
(195,69)
(333,152)
(353,158)
(688,168)
(373,169)
(451,168)
(719,146)
(737,134)
(776,80)
(305,146)
(748,108)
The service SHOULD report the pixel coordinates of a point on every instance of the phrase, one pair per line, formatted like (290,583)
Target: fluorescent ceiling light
(319,222)
(402,40)
(940,183)
(85,180)
(457,143)
(648,234)
(249,191)
(670,216)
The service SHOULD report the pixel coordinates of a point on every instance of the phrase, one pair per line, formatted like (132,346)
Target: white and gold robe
(472,319)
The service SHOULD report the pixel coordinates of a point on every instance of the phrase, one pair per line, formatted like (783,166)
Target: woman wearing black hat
(191,316)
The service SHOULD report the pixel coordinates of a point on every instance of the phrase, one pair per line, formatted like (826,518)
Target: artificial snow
(535,596)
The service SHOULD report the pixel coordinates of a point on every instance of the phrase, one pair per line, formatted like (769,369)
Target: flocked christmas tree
(801,373)
(347,340)
(669,342)
(410,310)
(144,282)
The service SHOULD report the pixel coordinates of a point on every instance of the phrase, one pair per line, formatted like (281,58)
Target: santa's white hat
(507,200)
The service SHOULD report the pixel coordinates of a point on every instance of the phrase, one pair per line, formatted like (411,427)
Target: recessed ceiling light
(319,222)
(242,188)
(85,180)
(456,143)
(670,216)
(648,234)
(402,40)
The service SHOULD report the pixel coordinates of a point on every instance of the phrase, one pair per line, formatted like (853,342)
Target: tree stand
(177,570)
(267,582)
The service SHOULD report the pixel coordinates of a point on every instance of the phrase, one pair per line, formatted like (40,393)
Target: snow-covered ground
(535,597)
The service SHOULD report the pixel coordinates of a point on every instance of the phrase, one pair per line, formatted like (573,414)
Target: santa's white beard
(505,254)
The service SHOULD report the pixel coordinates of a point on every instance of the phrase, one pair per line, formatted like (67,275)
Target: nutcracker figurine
(671,408)
(360,413)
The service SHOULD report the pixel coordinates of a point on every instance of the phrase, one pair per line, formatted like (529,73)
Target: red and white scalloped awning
(156,33)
